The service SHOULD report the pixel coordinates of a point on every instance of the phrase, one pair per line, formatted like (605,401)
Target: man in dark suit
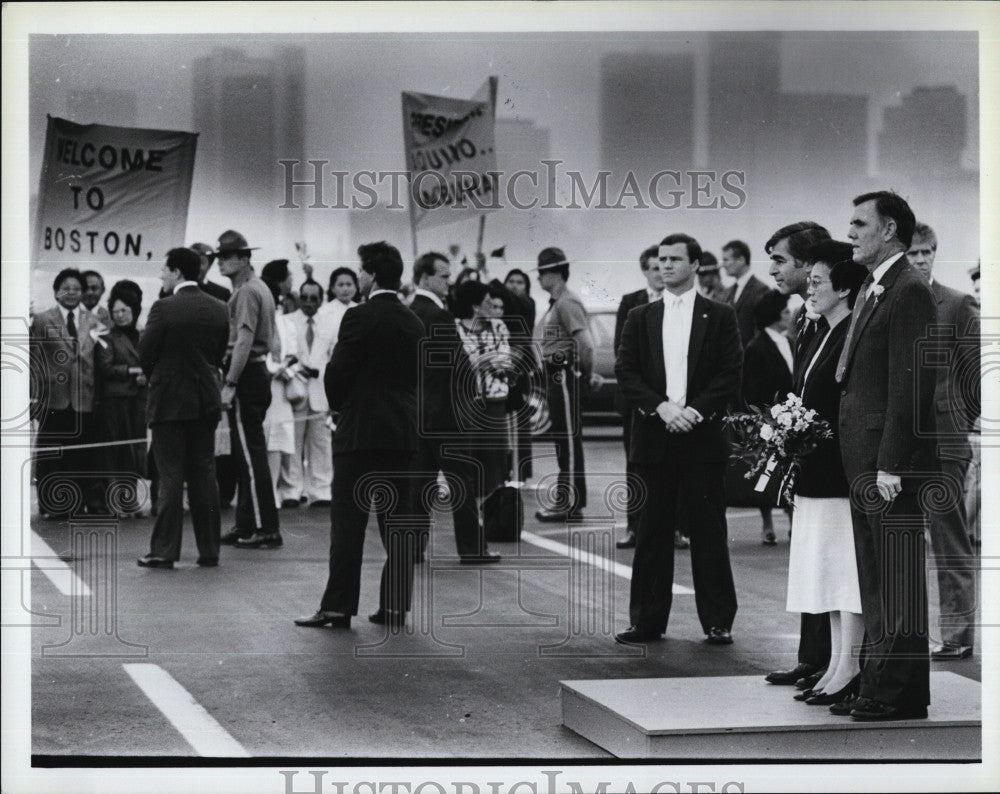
(748,289)
(956,404)
(61,349)
(372,381)
(885,402)
(679,367)
(438,423)
(181,353)
(789,249)
(649,262)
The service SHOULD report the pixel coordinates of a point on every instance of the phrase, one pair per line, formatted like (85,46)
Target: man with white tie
(310,469)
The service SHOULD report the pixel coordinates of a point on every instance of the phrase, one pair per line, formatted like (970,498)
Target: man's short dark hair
(693,247)
(650,253)
(186,261)
(426,265)
(311,282)
(468,294)
(276,270)
(847,274)
(739,248)
(829,251)
(383,262)
(892,205)
(65,273)
(768,309)
(88,273)
(801,237)
(924,232)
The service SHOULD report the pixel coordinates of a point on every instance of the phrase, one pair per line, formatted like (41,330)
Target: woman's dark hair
(467,295)
(129,293)
(342,271)
(769,308)
(518,272)
(65,273)
(848,274)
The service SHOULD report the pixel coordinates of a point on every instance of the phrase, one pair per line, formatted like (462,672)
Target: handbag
(296,391)
(503,510)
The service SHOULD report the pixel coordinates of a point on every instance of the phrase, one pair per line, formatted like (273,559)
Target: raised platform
(743,717)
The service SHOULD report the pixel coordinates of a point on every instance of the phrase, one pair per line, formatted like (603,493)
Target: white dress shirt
(741,282)
(783,345)
(430,296)
(653,295)
(678,314)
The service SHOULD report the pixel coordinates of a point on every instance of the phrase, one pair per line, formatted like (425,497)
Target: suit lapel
(699,325)
(654,330)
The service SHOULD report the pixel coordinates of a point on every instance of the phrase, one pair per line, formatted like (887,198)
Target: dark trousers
(225,476)
(255,507)
(463,484)
(698,489)
(954,559)
(563,392)
(185,452)
(362,480)
(891,560)
(814,639)
(69,482)
(634,510)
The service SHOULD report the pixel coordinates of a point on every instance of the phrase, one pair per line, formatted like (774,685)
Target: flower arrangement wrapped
(774,441)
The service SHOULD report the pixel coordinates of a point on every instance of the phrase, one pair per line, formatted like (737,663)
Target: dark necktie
(71,325)
(310,333)
(859,304)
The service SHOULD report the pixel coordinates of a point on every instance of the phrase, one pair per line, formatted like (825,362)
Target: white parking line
(596,560)
(196,725)
(57,571)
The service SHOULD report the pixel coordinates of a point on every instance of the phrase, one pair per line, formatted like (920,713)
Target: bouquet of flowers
(774,441)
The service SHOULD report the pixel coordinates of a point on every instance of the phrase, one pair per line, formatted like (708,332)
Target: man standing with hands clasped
(883,404)
(679,366)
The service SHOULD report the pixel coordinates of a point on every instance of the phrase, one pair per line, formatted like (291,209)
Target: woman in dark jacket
(822,567)
(122,388)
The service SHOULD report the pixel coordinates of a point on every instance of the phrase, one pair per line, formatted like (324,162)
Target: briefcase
(503,514)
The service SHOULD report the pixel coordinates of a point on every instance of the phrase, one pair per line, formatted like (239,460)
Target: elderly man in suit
(372,380)
(748,289)
(61,349)
(885,405)
(956,404)
(438,420)
(679,366)
(649,262)
(181,353)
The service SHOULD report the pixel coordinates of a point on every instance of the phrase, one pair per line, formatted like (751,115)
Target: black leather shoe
(805,694)
(719,636)
(845,706)
(824,699)
(634,635)
(480,559)
(769,539)
(810,681)
(949,652)
(790,676)
(289,504)
(154,562)
(233,535)
(320,503)
(261,540)
(876,711)
(393,620)
(556,516)
(208,562)
(628,542)
(321,618)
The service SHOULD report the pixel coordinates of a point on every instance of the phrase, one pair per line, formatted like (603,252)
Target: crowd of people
(372,395)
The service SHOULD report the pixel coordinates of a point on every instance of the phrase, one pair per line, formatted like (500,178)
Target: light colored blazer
(64,366)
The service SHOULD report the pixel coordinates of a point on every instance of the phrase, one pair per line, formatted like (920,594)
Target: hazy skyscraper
(925,134)
(250,113)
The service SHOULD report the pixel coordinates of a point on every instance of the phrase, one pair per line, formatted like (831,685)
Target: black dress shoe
(805,694)
(810,681)
(480,559)
(845,706)
(233,535)
(555,516)
(634,635)
(876,711)
(790,676)
(769,539)
(824,699)
(288,504)
(261,540)
(321,618)
(950,652)
(208,562)
(154,562)
(320,503)
(393,620)
(628,542)
(719,636)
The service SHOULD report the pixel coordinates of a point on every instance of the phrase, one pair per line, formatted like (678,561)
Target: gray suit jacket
(957,395)
(65,366)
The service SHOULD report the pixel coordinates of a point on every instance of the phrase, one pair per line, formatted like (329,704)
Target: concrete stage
(745,718)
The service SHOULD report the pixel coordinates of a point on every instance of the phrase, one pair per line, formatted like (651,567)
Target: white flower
(766,431)
(877,290)
(775,410)
(785,420)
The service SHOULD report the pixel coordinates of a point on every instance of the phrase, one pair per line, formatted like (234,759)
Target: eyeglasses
(816,283)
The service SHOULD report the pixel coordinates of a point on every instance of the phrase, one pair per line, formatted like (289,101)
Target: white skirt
(279,422)
(822,567)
